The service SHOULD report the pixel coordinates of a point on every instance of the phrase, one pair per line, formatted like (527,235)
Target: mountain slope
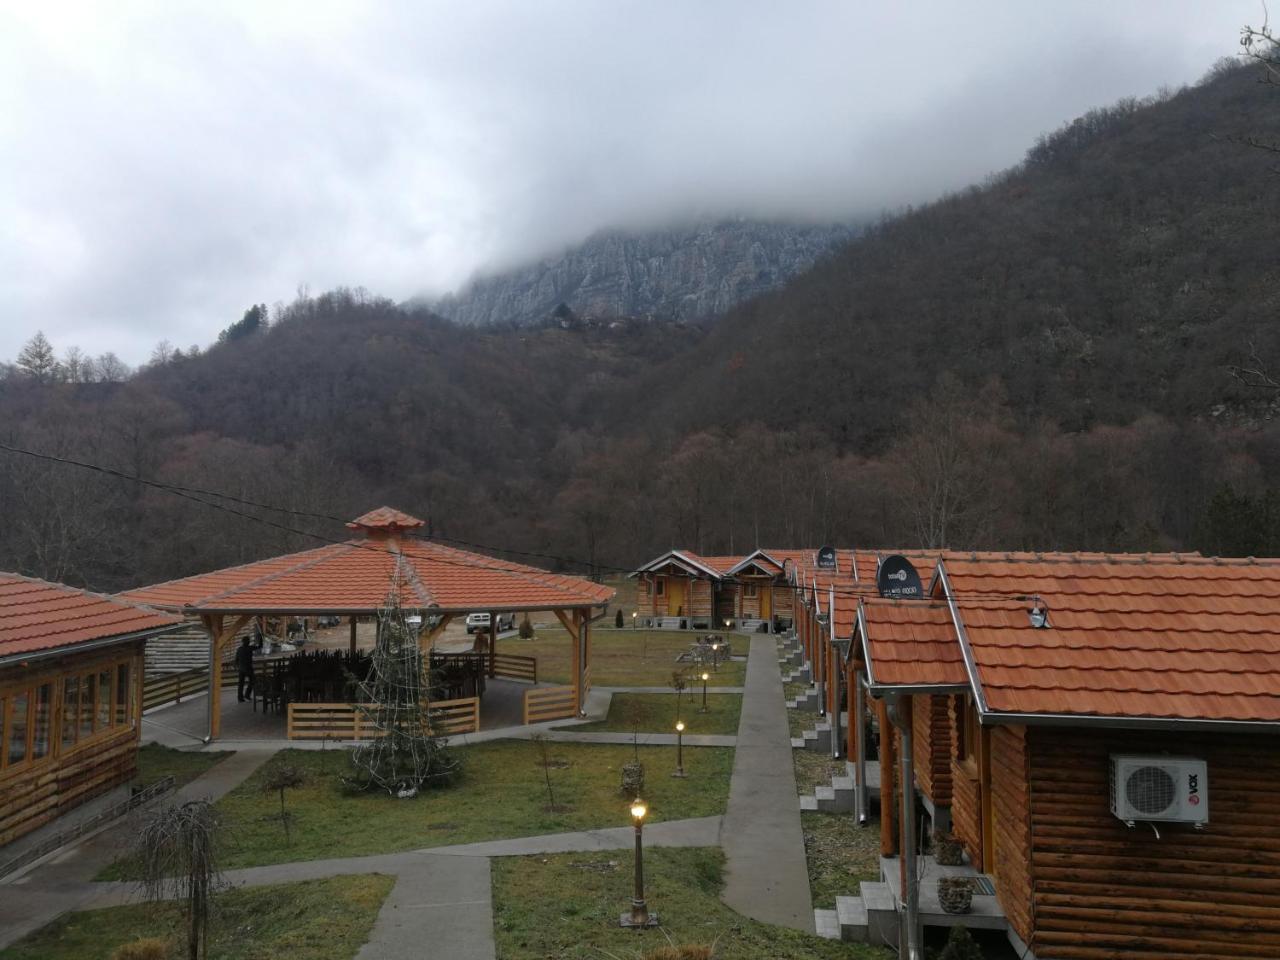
(1119,270)
(679,274)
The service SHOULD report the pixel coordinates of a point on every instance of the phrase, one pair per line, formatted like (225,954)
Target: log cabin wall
(966,809)
(751,598)
(726,595)
(931,728)
(79,737)
(700,603)
(784,600)
(1010,801)
(644,596)
(1102,889)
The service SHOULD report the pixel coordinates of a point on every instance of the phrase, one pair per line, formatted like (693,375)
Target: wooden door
(766,601)
(676,603)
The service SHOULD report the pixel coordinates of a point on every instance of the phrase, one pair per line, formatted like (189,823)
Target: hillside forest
(1046,361)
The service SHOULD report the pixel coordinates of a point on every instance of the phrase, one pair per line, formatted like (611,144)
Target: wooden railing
(550,703)
(161,688)
(345,721)
(513,666)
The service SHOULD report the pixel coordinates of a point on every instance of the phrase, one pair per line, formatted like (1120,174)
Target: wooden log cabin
(683,590)
(71,671)
(1114,725)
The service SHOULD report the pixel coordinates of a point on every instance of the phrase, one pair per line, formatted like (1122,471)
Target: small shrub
(526,628)
(148,948)
(960,946)
(617,619)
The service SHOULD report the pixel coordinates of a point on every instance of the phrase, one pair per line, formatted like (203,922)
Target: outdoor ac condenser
(1164,789)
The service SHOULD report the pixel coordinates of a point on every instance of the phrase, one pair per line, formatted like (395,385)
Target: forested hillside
(1041,362)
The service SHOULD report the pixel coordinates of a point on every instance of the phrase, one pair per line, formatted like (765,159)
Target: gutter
(970,665)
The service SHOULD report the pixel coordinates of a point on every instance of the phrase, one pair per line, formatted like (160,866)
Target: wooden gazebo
(354,578)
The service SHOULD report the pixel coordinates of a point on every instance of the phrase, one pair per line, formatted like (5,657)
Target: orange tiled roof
(1159,636)
(36,615)
(356,577)
(386,518)
(912,643)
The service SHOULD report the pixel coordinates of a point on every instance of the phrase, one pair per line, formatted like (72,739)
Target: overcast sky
(163,165)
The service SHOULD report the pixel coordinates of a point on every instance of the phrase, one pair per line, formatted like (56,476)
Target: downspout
(911,938)
(834,673)
(860,764)
(820,656)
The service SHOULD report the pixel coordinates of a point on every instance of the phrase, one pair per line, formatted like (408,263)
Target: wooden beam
(888,762)
(427,638)
(353,636)
(219,636)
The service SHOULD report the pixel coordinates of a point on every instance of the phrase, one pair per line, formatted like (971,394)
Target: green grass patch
(155,761)
(326,919)
(501,793)
(840,855)
(567,906)
(798,721)
(815,769)
(656,713)
(792,690)
(624,658)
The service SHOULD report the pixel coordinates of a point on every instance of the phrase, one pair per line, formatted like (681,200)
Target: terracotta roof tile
(358,575)
(912,642)
(37,615)
(1135,636)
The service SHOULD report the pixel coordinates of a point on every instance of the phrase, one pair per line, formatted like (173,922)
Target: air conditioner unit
(1163,789)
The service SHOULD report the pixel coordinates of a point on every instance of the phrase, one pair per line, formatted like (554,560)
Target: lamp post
(679,750)
(715,657)
(639,915)
(705,677)
(633,618)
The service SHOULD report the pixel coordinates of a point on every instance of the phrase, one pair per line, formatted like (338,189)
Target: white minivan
(480,621)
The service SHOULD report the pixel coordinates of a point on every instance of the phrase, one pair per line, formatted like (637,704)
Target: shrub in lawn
(960,946)
(617,619)
(147,948)
(177,853)
(545,761)
(282,776)
(526,628)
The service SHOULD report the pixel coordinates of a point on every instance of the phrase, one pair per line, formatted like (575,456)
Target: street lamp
(639,915)
(679,750)
(705,677)
(633,618)
(715,657)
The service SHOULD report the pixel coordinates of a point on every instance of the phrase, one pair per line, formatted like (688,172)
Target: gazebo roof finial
(385,522)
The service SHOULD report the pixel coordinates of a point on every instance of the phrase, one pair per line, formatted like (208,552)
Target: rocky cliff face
(683,274)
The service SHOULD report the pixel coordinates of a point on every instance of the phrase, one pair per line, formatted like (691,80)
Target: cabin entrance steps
(839,796)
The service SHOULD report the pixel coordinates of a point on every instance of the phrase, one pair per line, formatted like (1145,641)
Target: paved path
(766,877)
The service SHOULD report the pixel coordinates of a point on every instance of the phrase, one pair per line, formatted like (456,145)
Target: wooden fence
(161,688)
(344,721)
(550,703)
(513,666)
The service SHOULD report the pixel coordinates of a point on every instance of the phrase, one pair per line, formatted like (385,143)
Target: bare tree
(177,852)
(38,360)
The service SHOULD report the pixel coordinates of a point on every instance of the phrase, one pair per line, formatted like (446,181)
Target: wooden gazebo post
(353,635)
(219,637)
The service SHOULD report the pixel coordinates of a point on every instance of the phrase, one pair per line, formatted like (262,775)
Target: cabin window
(19,719)
(42,721)
(967,731)
(123,695)
(102,719)
(70,709)
(749,589)
(87,691)
(660,587)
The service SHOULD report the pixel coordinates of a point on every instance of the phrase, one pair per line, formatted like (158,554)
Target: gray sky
(165,164)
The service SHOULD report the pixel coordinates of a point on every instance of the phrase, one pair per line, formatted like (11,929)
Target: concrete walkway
(766,877)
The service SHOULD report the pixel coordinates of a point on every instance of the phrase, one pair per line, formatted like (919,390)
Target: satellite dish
(826,558)
(897,579)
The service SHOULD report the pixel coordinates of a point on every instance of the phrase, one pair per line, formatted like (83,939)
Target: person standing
(244,667)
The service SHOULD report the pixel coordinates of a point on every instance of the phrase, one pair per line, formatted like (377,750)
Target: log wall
(700,604)
(644,597)
(931,728)
(1103,890)
(966,807)
(36,792)
(1010,802)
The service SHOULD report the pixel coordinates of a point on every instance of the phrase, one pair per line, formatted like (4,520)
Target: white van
(480,621)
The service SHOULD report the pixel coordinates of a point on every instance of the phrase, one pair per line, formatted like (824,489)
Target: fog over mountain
(162,166)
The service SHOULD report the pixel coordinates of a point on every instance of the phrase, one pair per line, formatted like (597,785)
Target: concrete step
(799,675)
(851,912)
(797,743)
(882,916)
(807,701)
(809,803)
(827,923)
(831,800)
(818,738)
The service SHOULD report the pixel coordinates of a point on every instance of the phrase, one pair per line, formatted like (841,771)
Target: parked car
(480,621)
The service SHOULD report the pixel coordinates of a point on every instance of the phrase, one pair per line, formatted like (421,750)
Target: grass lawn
(801,720)
(155,761)
(316,920)
(656,713)
(623,658)
(567,906)
(840,854)
(501,793)
(815,769)
(792,690)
